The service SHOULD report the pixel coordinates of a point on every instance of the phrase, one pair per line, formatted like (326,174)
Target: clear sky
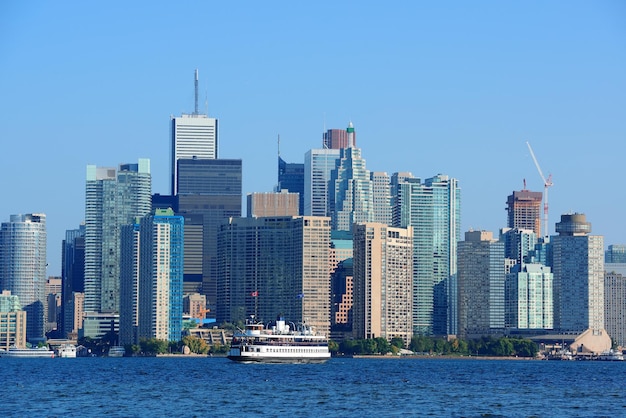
(431,87)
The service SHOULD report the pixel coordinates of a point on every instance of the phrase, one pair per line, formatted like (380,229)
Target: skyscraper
(193,136)
(72,275)
(529,297)
(615,305)
(480,281)
(578,276)
(23,267)
(381,188)
(291,178)
(213,189)
(13,320)
(113,198)
(318,164)
(275,265)
(433,209)
(524,210)
(340,138)
(351,191)
(382,295)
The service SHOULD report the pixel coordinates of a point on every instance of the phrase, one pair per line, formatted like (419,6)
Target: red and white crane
(546,183)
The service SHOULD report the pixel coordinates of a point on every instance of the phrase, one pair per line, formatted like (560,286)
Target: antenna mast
(196,92)
(546,183)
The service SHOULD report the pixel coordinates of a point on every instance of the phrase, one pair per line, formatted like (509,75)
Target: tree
(196,345)
(153,346)
(397,342)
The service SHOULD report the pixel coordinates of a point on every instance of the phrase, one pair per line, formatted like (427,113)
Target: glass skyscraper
(433,209)
(113,198)
(23,267)
(318,164)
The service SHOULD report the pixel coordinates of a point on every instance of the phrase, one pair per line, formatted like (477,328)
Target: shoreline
(438,357)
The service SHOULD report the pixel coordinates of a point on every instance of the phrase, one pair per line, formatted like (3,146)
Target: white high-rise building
(318,164)
(193,136)
(23,267)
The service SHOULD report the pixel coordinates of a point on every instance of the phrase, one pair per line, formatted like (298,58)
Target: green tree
(333,347)
(196,345)
(153,346)
(397,342)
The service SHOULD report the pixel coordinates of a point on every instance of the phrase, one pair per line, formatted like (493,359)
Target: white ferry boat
(116,351)
(611,356)
(278,344)
(14,352)
(66,351)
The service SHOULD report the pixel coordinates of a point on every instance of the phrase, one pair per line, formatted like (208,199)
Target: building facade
(23,267)
(12,321)
(291,178)
(275,265)
(113,198)
(282,203)
(433,209)
(318,164)
(529,301)
(578,267)
(381,192)
(615,303)
(524,210)
(72,276)
(383,277)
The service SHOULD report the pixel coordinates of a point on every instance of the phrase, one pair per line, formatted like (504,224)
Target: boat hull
(277,360)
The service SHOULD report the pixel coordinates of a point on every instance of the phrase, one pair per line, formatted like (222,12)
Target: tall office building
(480,281)
(615,254)
(193,136)
(433,209)
(72,275)
(381,192)
(524,210)
(350,191)
(578,276)
(275,265)
(213,189)
(113,198)
(52,306)
(383,274)
(518,243)
(529,301)
(23,267)
(340,138)
(291,178)
(281,203)
(318,164)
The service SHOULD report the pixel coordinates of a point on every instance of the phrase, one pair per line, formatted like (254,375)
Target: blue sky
(431,87)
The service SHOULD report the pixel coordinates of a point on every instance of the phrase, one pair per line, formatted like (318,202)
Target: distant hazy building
(318,164)
(383,279)
(72,276)
(291,178)
(350,191)
(275,265)
(615,254)
(578,276)
(23,267)
(213,189)
(113,198)
(524,210)
(615,304)
(340,138)
(433,209)
(193,136)
(480,281)
(12,321)
(381,192)
(280,203)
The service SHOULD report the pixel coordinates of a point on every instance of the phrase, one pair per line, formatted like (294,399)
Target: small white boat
(14,352)
(611,356)
(279,344)
(116,351)
(66,351)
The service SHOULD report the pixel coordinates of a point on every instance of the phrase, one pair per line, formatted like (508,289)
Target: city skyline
(430,89)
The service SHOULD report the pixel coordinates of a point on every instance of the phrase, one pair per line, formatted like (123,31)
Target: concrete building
(433,209)
(383,276)
(480,280)
(193,135)
(524,210)
(615,302)
(97,324)
(52,307)
(578,276)
(381,189)
(529,301)
(113,198)
(340,138)
(282,203)
(318,164)
(23,267)
(275,265)
(12,321)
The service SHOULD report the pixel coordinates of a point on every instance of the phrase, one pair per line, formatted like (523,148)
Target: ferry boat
(611,356)
(66,351)
(278,344)
(14,352)
(116,351)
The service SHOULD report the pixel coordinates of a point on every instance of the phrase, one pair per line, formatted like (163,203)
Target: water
(201,387)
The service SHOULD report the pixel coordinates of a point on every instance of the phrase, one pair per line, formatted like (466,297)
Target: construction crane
(546,183)
(202,316)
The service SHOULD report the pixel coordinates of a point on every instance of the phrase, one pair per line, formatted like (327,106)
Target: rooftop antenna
(279,145)
(196,93)
(324,145)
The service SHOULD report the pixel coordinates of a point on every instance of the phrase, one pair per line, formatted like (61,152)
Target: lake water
(215,386)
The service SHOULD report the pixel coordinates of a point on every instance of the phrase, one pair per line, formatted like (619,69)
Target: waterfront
(134,387)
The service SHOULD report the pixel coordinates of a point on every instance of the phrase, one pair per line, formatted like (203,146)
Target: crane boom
(546,183)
